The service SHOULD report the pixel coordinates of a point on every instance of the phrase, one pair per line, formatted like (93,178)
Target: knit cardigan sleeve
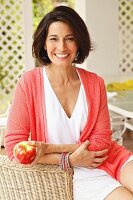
(100,137)
(18,126)
(97,129)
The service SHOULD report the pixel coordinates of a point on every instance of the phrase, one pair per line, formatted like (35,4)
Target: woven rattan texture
(40,182)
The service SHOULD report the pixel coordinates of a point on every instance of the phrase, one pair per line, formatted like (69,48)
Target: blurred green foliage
(3,74)
(42,7)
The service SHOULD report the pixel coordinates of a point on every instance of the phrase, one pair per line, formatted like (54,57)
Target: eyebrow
(57,35)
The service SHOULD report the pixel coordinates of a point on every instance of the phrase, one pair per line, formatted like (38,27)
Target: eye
(70,38)
(54,39)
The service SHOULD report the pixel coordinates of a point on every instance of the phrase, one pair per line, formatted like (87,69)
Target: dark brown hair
(71,17)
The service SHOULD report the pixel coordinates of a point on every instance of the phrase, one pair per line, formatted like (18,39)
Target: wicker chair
(40,182)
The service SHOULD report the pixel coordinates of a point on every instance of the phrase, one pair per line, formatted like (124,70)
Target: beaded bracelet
(64,161)
(67,161)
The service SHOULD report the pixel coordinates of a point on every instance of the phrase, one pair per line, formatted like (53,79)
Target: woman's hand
(41,148)
(81,157)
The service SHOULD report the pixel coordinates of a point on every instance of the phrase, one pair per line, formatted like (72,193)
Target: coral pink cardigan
(28,117)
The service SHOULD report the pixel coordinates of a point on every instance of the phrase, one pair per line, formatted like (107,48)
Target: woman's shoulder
(31,77)
(89,75)
(32,74)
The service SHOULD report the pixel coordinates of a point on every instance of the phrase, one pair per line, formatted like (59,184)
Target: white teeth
(61,55)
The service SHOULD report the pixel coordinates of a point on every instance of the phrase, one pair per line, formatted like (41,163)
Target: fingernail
(87,141)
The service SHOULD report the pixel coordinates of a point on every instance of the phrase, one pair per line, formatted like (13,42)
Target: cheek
(74,47)
(50,48)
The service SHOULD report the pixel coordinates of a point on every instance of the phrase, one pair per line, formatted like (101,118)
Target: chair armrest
(129,124)
(40,182)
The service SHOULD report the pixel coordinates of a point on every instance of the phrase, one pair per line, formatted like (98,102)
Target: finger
(16,161)
(97,162)
(84,145)
(30,164)
(100,160)
(94,165)
(38,155)
(91,167)
(33,143)
(34,161)
(100,153)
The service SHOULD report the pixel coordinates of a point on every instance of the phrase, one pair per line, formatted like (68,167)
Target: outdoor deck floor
(128,140)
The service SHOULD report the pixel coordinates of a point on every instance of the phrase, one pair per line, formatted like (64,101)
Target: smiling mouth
(61,55)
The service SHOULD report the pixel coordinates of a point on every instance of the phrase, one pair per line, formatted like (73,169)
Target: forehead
(59,28)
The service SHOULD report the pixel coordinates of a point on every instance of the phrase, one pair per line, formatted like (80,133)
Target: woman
(63,110)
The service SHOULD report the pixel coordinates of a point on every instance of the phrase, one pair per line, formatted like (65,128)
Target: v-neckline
(55,96)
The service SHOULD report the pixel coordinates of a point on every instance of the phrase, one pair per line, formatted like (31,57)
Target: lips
(59,55)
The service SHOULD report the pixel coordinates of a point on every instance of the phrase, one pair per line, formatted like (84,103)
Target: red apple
(24,152)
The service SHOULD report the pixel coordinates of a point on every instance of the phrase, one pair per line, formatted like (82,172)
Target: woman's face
(60,44)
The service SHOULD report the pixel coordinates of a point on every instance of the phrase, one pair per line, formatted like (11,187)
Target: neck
(61,75)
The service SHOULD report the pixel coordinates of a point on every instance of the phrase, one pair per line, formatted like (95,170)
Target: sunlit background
(110,24)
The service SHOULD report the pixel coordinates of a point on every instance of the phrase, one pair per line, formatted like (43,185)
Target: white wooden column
(28,32)
(80,7)
(101,18)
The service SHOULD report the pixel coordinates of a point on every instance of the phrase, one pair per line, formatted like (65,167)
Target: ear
(45,48)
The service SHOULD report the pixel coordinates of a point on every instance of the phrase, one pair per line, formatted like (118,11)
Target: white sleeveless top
(88,184)
(62,129)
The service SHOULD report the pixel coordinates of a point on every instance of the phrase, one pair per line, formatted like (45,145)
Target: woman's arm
(59,148)
(100,137)
(49,153)
(80,156)
(51,158)
(18,126)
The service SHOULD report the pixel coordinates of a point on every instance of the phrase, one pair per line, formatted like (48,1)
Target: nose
(62,45)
